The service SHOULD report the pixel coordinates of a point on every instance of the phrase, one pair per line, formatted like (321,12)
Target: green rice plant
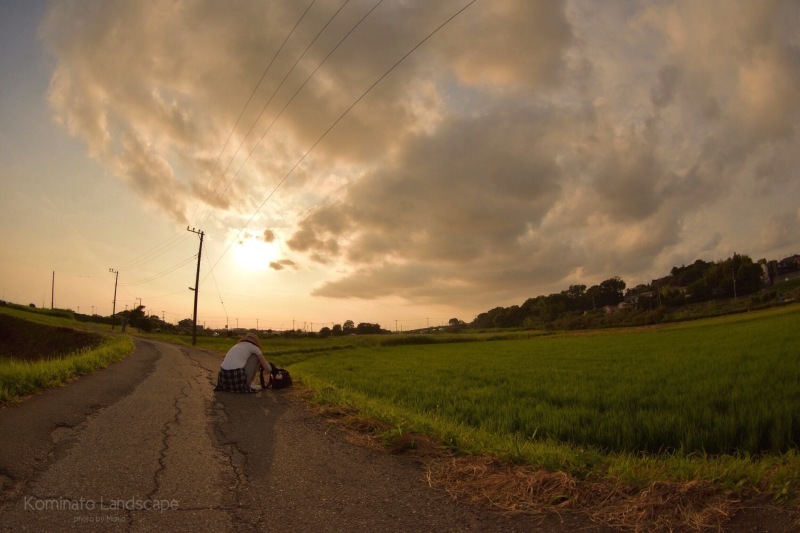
(670,399)
(21,377)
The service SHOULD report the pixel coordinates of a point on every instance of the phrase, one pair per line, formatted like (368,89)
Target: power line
(172,242)
(161,274)
(263,75)
(213,277)
(346,111)
(300,89)
(297,91)
(264,108)
(158,250)
(278,116)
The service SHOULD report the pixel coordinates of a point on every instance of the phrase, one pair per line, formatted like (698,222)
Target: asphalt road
(146,444)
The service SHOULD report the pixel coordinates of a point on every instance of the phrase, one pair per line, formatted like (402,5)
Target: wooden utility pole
(196,288)
(53,291)
(114,302)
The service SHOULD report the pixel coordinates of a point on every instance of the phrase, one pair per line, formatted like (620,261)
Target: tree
(365,328)
(749,278)
(508,317)
(336,331)
(138,319)
(325,332)
(576,298)
(699,291)
(456,324)
(487,319)
(348,327)
(612,290)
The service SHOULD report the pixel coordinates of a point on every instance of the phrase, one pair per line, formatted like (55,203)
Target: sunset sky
(347,161)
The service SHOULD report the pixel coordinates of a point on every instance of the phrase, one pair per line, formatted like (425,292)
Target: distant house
(633,299)
(788,264)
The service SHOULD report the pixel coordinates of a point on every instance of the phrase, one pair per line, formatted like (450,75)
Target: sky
(392,162)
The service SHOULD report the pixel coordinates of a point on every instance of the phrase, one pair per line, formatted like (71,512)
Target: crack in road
(236,458)
(165,432)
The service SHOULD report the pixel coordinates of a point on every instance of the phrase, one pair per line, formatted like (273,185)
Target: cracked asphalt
(146,444)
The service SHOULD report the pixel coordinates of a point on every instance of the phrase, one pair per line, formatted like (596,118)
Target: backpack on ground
(279,378)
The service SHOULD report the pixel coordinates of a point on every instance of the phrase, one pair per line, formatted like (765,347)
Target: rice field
(728,385)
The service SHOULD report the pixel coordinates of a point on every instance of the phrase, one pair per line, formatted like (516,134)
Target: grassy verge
(19,378)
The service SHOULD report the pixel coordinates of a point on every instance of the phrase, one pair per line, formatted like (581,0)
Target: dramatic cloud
(524,147)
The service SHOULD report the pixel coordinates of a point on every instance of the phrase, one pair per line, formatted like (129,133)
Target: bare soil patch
(21,339)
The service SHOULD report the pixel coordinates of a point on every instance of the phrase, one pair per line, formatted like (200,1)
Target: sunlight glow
(254,254)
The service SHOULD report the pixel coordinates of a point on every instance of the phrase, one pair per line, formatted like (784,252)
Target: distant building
(788,264)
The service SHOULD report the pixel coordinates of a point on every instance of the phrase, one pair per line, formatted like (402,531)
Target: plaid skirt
(233,381)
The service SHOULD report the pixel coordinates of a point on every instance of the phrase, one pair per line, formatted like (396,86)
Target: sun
(254,254)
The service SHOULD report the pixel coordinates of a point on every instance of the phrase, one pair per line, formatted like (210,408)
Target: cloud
(268,236)
(524,147)
(781,231)
(430,203)
(522,45)
(282,264)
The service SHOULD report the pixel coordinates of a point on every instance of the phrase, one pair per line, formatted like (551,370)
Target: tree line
(609,303)
(580,306)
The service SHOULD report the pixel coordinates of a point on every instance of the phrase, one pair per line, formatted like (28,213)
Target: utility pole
(114,302)
(53,291)
(196,284)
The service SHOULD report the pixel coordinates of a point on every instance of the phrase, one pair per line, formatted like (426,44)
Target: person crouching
(239,367)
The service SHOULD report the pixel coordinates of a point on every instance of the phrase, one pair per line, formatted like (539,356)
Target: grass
(41,316)
(19,378)
(717,399)
(22,377)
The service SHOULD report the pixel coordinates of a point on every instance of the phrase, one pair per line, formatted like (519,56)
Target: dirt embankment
(20,339)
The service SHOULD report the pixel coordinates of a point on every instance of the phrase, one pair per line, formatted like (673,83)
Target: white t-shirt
(238,355)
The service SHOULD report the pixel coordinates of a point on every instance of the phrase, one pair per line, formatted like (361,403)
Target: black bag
(278,378)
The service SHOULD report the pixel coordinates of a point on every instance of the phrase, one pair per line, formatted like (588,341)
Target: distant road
(146,444)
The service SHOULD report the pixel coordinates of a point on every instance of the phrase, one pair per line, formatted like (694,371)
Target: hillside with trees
(612,303)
